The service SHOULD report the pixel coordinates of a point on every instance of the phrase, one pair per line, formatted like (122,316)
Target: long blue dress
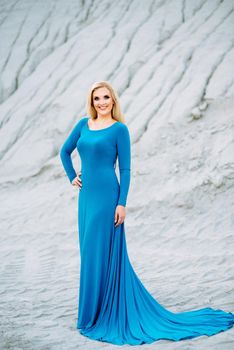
(114,306)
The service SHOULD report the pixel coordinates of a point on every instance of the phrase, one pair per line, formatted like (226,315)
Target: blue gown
(114,306)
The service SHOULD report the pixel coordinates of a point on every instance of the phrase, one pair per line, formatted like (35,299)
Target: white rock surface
(172,64)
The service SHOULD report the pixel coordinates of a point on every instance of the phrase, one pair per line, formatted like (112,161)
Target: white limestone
(172,64)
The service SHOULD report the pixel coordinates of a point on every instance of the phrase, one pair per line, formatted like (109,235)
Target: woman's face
(102,101)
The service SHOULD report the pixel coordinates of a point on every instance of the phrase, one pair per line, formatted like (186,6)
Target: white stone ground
(172,64)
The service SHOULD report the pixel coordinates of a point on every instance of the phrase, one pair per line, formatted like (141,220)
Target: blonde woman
(114,306)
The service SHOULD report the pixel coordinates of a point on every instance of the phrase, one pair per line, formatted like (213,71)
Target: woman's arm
(124,160)
(67,149)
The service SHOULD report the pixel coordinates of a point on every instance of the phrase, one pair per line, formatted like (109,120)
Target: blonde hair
(116,110)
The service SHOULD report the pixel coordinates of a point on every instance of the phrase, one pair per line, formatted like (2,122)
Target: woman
(114,306)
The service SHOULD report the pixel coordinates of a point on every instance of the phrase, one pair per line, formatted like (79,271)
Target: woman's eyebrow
(101,96)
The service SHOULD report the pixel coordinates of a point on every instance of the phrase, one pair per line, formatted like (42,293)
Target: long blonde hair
(116,110)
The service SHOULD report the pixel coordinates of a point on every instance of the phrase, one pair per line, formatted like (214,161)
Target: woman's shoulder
(122,131)
(84,119)
(81,121)
(122,126)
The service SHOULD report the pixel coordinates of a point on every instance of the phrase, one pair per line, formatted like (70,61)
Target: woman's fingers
(116,217)
(77,181)
(119,219)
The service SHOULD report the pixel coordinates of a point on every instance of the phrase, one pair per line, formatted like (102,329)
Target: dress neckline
(108,127)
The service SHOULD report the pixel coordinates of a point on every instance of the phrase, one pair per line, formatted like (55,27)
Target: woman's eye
(106,97)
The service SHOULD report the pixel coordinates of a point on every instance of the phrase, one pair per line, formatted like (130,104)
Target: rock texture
(172,64)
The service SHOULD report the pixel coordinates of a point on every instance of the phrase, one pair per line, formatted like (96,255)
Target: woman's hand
(77,181)
(120,214)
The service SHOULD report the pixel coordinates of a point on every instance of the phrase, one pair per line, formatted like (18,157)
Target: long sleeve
(67,149)
(124,160)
